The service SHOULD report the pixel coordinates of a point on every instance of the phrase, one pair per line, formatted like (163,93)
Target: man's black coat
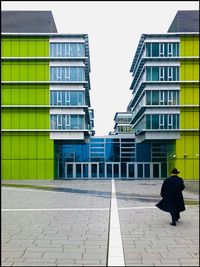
(171,193)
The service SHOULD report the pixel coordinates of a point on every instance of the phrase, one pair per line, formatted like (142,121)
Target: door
(69,172)
(115,170)
(143,170)
(131,170)
(109,171)
(78,173)
(156,170)
(94,170)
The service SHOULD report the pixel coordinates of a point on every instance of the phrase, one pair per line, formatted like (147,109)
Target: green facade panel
(189,46)
(25,156)
(32,70)
(25,118)
(25,47)
(187,147)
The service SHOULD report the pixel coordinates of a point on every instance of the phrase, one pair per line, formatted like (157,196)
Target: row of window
(162,73)
(162,49)
(162,121)
(124,119)
(67,98)
(67,50)
(67,73)
(62,122)
(163,97)
(124,128)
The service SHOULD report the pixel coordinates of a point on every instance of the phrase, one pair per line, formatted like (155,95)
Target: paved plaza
(96,223)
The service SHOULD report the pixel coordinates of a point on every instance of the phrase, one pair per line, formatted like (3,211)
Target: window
(161,122)
(170,73)
(66,98)
(162,73)
(163,97)
(155,50)
(148,49)
(62,121)
(170,48)
(67,50)
(67,74)
(155,97)
(162,49)
(155,121)
(155,75)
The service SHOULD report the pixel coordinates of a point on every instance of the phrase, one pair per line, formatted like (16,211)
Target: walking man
(172,197)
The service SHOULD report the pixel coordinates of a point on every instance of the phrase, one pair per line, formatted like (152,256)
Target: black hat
(175,171)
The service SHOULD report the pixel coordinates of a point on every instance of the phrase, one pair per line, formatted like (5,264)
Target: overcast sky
(114,29)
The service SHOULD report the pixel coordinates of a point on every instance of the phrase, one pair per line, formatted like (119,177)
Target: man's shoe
(174,224)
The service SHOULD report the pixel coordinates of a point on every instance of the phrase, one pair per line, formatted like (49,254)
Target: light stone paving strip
(115,249)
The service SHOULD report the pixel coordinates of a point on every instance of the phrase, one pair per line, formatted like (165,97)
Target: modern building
(122,123)
(47,122)
(117,156)
(44,95)
(165,88)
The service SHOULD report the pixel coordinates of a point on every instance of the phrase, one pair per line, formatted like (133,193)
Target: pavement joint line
(55,209)
(137,208)
(149,207)
(115,249)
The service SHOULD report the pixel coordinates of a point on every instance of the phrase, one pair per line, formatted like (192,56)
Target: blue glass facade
(107,157)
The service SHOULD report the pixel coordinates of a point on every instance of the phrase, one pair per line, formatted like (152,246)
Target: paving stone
(68,237)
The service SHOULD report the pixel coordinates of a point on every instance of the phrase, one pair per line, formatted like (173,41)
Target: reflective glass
(143,152)
(109,170)
(140,170)
(155,73)
(148,97)
(148,73)
(94,170)
(73,50)
(116,170)
(80,50)
(80,74)
(155,97)
(155,121)
(147,170)
(155,170)
(155,49)
(78,171)
(148,49)
(123,170)
(73,74)
(85,170)
(148,121)
(101,169)
(131,170)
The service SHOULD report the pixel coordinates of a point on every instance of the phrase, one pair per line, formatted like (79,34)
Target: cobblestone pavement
(66,223)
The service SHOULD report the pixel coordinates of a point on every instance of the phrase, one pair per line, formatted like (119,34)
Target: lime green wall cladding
(189,118)
(189,70)
(25,47)
(25,71)
(189,46)
(189,94)
(25,94)
(187,159)
(27,156)
(187,148)
(25,118)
